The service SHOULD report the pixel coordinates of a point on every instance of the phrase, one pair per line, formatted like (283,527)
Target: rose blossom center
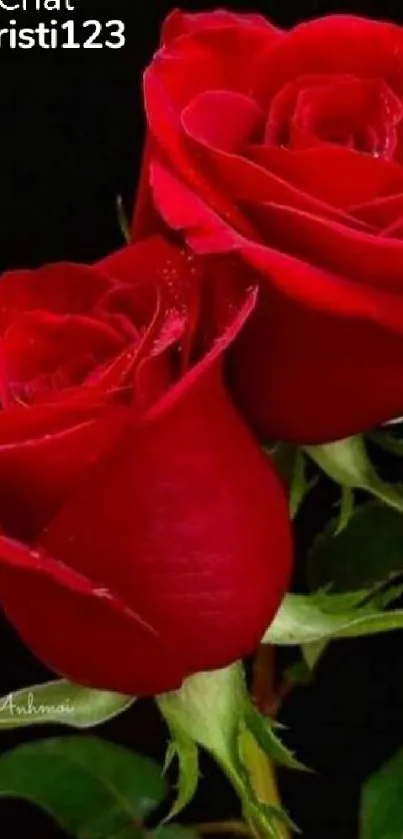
(363,114)
(44,354)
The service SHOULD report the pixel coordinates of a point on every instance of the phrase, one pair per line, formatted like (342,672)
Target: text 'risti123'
(52,33)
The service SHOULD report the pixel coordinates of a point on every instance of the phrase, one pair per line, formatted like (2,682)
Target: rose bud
(285,149)
(144,536)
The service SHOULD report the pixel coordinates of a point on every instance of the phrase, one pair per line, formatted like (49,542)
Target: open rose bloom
(284,152)
(144,536)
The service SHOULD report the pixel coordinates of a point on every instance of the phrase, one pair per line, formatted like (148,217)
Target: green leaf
(263,731)
(93,789)
(368,551)
(312,653)
(209,709)
(347,507)
(304,619)
(62,703)
(185,749)
(347,463)
(300,485)
(382,802)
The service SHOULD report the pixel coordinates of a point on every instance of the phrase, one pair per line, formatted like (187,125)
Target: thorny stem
(263,780)
(267,694)
(268,697)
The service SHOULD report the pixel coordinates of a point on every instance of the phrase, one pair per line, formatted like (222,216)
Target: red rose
(143,534)
(285,149)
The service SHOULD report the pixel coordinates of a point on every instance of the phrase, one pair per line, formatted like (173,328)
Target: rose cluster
(144,534)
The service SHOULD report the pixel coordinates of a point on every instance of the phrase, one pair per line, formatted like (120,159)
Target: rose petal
(327,304)
(165,124)
(307,284)
(175,275)
(81,630)
(202,221)
(362,112)
(223,119)
(303,374)
(382,212)
(64,288)
(394,230)
(334,44)
(240,178)
(204,61)
(21,423)
(38,474)
(198,532)
(179,23)
(340,176)
(145,222)
(39,342)
(353,254)
(209,52)
(207,233)
(142,264)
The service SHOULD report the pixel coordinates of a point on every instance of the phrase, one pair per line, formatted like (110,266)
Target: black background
(71,130)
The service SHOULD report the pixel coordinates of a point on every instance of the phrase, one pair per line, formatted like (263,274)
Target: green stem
(263,780)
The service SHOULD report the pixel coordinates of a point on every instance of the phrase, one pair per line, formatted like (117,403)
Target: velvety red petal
(354,254)
(39,342)
(166,126)
(145,263)
(190,65)
(382,212)
(198,531)
(334,174)
(322,290)
(175,274)
(81,630)
(334,44)
(179,23)
(145,221)
(196,524)
(38,474)
(223,119)
(283,105)
(360,113)
(394,230)
(20,423)
(327,305)
(202,222)
(64,288)
(226,305)
(208,234)
(204,60)
(309,376)
(241,178)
